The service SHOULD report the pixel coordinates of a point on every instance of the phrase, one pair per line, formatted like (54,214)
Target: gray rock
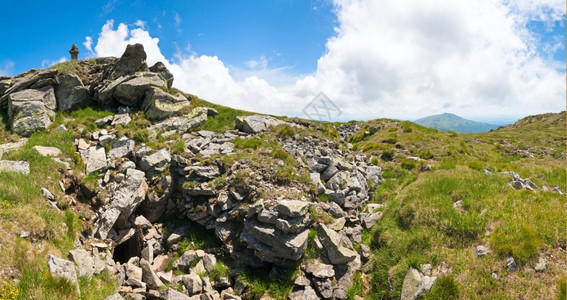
(132,60)
(339,294)
(120,148)
(324,287)
(160,68)
(121,119)
(209,261)
(511,264)
(47,151)
(148,275)
(293,208)
(318,270)
(272,245)
(415,285)
(171,294)
(329,172)
(338,224)
(203,172)
(184,123)
(94,158)
(133,91)
(62,268)
(368,220)
(130,193)
(541,265)
(155,162)
(104,121)
(193,283)
(29,110)
(155,205)
(25,82)
(481,251)
(84,261)
(365,252)
(256,123)
(336,251)
(185,260)
(18,166)
(47,194)
(293,225)
(114,297)
(70,92)
(316,178)
(13,146)
(335,210)
(374,173)
(159,105)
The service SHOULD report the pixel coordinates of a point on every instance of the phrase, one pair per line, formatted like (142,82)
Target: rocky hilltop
(181,199)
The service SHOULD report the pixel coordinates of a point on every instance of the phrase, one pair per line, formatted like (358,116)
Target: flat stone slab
(19,166)
(47,151)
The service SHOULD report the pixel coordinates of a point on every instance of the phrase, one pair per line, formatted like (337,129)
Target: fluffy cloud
(395,58)
(6,68)
(48,63)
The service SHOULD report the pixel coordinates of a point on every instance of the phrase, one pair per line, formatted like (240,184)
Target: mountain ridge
(452,122)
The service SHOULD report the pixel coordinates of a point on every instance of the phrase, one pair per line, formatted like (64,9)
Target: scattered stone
(541,265)
(94,158)
(415,284)
(318,270)
(511,264)
(121,119)
(29,110)
(159,105)
(47,151)
(481,251)
(84,261)
(293,208)
(104,121)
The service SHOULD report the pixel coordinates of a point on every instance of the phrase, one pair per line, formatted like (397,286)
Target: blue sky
(287,33)
(491,61)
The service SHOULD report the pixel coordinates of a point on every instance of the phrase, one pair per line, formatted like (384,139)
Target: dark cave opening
(128,249)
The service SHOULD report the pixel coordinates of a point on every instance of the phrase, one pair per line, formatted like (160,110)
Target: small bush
(285,131)
(219,270)
(374,161)
(178,147)
(280,154)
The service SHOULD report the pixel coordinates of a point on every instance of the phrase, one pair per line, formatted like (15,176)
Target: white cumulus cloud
(391,58)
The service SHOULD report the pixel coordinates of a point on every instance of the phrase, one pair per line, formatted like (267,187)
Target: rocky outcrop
(256,123)
(70,92)
(15,166)
(160,105)
(30,110)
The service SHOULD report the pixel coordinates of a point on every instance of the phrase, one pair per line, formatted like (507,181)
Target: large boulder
(129,195)
(256,123)
(132,60)
(159,105)
(155,162)
(70,92)
(29,110)
(25,81)
(133,91)
(336,250)
(160,68)
(84,261)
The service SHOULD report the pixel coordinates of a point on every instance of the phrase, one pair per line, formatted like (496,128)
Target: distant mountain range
(447,121)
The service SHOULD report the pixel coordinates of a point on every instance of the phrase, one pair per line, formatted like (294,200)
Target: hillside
(451,122)
(113,184)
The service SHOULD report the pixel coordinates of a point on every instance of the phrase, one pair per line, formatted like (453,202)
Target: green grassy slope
(446,122)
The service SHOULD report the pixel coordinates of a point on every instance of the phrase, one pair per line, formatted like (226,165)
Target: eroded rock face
(62,268)
(161,69)
(133,90)
(336,250)
(29,110)
(129,195)
(132,60)
(159,105)
(70,92)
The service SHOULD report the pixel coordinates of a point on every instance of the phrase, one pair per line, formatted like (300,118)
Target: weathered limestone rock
(121,147)
(256,123)
(29,110)
(336,251)
(415,285)
(171,294)
(318,270)
(85,262)
(47,151)
(132,60)
(160,68)
(155,162)
(481,251)
(184,123)
(272,245)
(133,91)
(26,81)
(62,268)
(293,208)
(70,92)
(159,105)
(19,166)
(94,158)
(129,195)
(121,119)
(148,275)
(192,283)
